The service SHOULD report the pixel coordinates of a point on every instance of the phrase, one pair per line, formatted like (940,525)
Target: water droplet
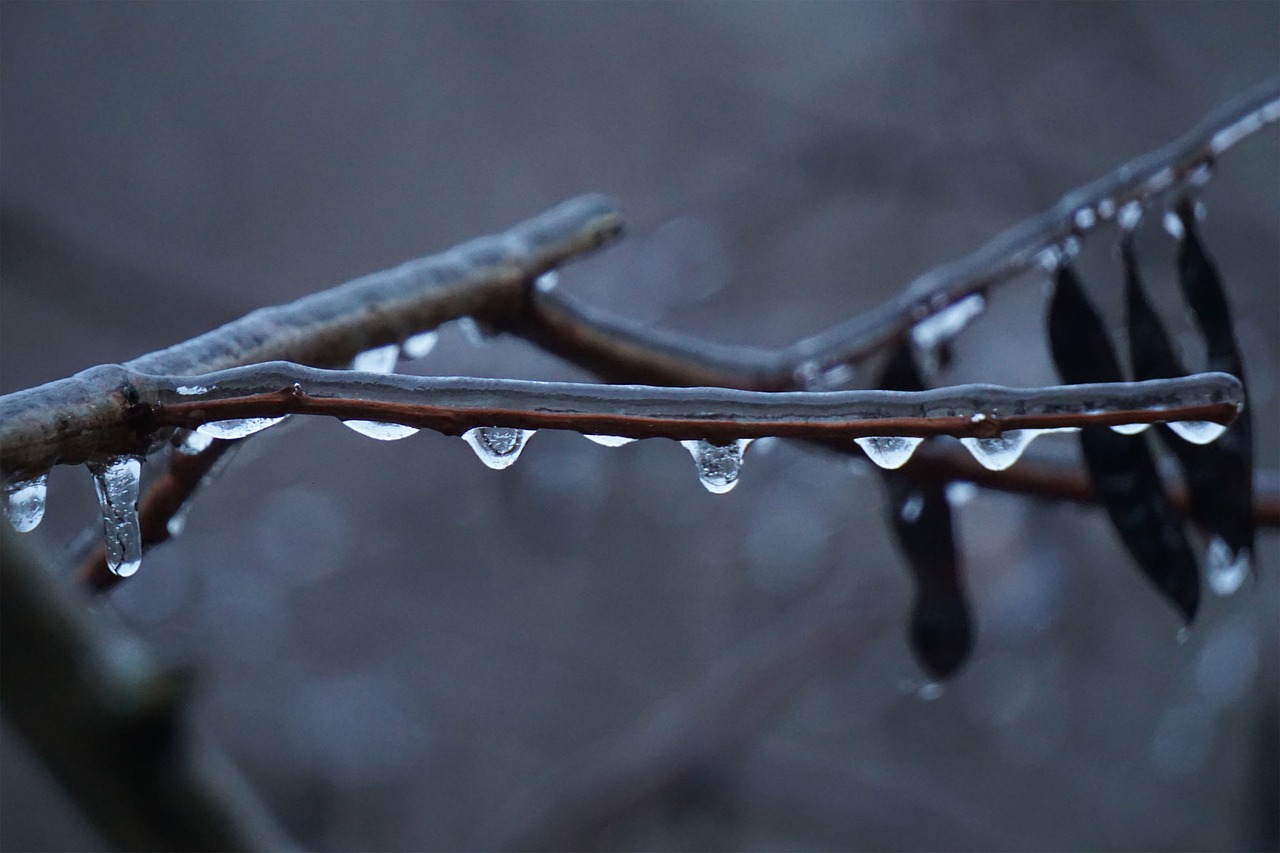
(1049,258)
(188,390)
(889,451)
(1085,218)
(1173,225)
(961,492)
(1201,174)
(237,427)
(930,691)
(497,447)
(377,360)
(1197,432)
(546,282)
(1129,429)
(381,430)
(912,508)
(1226,570)
(718,465)
(997,454)
(1131,216)
(1070,247)
(947,323)
(178,521)
(116,482)
(24,502)
(419,345)
(609,440)
(1107,208)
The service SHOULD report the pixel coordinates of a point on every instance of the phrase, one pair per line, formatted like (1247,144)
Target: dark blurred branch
(111,724)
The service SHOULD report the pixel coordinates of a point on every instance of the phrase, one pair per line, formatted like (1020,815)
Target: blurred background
(396,643)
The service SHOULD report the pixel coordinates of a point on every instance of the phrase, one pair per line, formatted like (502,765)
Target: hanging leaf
(1218,474)
(941,632)
(1121,467)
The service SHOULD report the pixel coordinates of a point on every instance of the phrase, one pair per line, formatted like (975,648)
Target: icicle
(1226,570)
(718,465)
(24,502)
(1129,429)
(997,454)
(190,442)
(497,447)
(609,440)
(381,430)
(947,323)
(237,427)
(889,451)
(1197,432)
(1131,216)
(419,345)
(116,481)
(377,360)
(546,282)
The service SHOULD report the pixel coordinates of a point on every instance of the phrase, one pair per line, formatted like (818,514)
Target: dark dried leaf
(941,632)
(1121,467)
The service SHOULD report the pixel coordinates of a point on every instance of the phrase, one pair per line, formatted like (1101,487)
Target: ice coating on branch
(377,360)
(608,440)
(718,465)
(116,481)
(947,323)
(237,427)
(1129,429)
(1197,432)
(1225,569)
(24,502)
(997,454)
(191,442)
(497,447)
(380,430)
(189,390)
(889,451)
(419,345)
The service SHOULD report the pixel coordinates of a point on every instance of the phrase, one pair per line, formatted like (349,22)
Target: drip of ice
(718,465)
(24,502)
(497,447)
(1129,429)
(189,390)
(1197,432)
(1173,225)
(190,442)
(237,427)
(947,323)
(997,454)
(377,360)
(1131,216)
(1226,570)
(419,345)
(381,430)
(889,451)
(961,492)
(1085,218)
(116,481)
(1107,208)
(609,440)
(912,508)
(1201,174)
(1070,247)
(178,521)
(546,282)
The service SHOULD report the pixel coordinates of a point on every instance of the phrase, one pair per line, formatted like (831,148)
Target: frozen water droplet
(1173,225)
(189,390)
(1107,208)
(889,451)
(1129,429)
(1197,432)
(380,430)
(1131,216)
(497,447)
(419,345)
(1201,174)
(547,282)
(237,427)
(961,492)
(997,454)
(24,502)
(718,465)
(377,360)
(1085,218)
(178,521)
(1226,570)
(609,440)
(471,331)
(912,508)
(116,481)
(191,442)
(930,691)
(1049,258)
(1070,247)
(947,323)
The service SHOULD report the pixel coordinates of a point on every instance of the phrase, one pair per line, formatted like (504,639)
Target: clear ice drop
(1173,225)
(1226,571)
(237,427)
(24,502)
(997,454)
(419,345)
(377,360)
(191,442)
(116,481)
(718,465)
(889,451)
(1197,432)
(609,440)
(497,447)
(911,508)
(380,430)
(1130,215)
(547,282)
(947,323)
(1129,429)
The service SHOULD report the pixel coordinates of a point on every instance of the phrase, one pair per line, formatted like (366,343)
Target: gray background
(395,641)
